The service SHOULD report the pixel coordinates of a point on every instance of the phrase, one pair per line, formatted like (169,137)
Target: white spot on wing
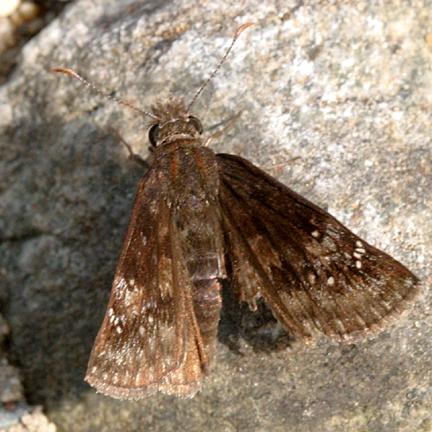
(329,244)
(150,304)
(311,278)
(120,285)
(330,281)
(130,296)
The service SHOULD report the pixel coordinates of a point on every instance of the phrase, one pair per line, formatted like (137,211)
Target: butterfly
(200,218)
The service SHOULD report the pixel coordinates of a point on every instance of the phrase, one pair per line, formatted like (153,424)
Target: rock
(31,421)
(336,102)
(15,414)
(10,385)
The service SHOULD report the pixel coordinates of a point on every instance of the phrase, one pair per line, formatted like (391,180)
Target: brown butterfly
(197,214)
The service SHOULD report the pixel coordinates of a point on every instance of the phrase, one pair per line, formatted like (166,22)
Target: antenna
(238,32)
(108,95)
(72,73)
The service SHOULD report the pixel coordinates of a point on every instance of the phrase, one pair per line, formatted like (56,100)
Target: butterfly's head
(172,122)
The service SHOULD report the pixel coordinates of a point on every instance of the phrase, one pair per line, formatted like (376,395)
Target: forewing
(313,272)
(147,340)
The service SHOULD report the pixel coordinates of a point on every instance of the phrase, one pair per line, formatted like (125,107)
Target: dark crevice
(24,236)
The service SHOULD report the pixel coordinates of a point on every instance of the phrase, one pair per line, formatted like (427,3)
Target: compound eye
(153,135)
(196,124)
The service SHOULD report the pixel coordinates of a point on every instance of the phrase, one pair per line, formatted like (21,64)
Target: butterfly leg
(227,125)
(132,156)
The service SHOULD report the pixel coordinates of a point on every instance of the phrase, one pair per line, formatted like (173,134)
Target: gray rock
(24,419)
(344,87)
(10,385)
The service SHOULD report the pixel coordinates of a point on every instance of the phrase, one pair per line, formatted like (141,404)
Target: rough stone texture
(19,21)
(345,87)
(31,420)
(15,414)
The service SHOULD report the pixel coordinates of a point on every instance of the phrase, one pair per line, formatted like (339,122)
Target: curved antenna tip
(76,75)
(242,28)
(238,32)
(64,70)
